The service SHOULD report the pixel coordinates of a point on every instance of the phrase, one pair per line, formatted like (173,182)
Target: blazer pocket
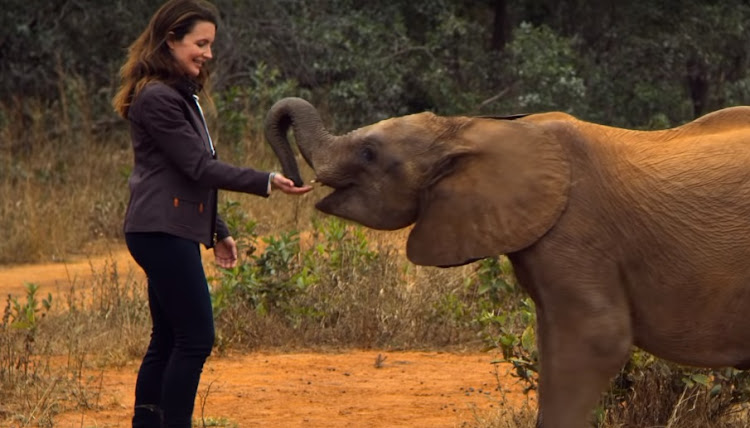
(186,211)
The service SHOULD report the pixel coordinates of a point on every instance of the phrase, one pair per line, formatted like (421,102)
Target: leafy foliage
(508,319)
(652,392)
(21,320)
(645,63)
(545,70)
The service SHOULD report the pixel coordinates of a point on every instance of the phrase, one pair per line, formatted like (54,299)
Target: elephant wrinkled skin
(621,237)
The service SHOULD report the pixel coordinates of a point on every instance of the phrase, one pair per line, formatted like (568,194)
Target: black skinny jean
(183,329)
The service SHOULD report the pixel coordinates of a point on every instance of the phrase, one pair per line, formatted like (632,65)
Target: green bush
(652,392)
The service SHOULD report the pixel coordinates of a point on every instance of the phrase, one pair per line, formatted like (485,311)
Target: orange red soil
(362,388)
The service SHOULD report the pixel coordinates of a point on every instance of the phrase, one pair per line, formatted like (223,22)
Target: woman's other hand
(225,252)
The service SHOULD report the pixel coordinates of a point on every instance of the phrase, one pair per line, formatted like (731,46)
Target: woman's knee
(198,343)
(207,341)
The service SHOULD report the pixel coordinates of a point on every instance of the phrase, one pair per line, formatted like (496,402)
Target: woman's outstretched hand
(286,185)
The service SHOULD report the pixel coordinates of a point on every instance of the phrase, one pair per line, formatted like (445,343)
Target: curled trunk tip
(303,118)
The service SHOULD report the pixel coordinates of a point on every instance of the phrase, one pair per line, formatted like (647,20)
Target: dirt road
(365,388)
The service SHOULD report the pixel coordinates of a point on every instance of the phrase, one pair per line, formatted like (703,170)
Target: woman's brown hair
(149,57)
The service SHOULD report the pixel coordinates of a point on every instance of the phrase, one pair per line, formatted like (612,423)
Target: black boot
(147,416)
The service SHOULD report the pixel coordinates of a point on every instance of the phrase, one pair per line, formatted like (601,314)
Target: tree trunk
(697,77)
(500,26)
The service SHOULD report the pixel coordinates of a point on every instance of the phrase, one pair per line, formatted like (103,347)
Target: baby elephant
(621,237)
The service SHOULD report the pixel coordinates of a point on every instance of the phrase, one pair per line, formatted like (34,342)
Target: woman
(172,207)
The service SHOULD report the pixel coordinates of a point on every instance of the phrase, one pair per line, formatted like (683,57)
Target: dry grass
(54,202)
(52,356)
(64,170)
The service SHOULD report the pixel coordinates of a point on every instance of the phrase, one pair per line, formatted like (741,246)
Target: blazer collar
(188,87)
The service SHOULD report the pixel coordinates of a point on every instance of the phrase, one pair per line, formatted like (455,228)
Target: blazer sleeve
(222,231)
(163,117)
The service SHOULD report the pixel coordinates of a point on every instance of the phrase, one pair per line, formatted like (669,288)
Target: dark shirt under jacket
(173,186)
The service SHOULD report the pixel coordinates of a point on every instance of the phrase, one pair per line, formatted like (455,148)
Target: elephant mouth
(351,199)
(338,193)
(334,183)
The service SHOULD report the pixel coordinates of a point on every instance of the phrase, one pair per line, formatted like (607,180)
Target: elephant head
(472,187)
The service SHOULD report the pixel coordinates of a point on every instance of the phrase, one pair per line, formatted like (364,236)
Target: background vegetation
(640,64)
(312,281)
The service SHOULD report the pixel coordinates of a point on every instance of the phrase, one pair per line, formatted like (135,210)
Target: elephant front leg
(580,353)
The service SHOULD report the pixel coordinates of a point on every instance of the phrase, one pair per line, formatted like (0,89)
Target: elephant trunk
(309,133)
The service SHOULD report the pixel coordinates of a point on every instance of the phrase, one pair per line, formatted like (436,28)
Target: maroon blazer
(175,178)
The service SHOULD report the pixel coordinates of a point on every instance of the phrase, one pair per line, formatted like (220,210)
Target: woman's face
(195,48)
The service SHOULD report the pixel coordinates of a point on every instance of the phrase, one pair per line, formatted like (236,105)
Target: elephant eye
(368,154)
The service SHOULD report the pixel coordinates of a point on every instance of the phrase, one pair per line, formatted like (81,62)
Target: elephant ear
(502,186)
